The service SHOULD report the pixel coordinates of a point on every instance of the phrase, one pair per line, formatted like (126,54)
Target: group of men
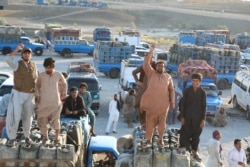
(44,93)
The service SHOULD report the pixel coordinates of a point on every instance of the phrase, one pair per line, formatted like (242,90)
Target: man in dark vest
(22,101)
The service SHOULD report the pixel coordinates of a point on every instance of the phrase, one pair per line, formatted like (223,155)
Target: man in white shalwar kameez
(114,107)
(21,105)
(214,150)
(48,98)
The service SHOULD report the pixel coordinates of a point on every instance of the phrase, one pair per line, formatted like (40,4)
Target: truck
(11,36)
(185,71)
(126,79)
(225,61)
(68,41)
(102,34)
(41,2)
(72,152)
(79,72)
(108,56)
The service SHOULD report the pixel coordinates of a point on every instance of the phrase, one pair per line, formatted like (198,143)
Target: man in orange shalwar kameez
(157,98)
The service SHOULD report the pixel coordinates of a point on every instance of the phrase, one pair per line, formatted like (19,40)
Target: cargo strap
(73,140)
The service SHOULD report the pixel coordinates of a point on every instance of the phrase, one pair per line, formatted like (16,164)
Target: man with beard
(49,99)
(21,105)
(157,98)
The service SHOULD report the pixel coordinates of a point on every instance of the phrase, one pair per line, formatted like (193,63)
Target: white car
(6,86)
(4,76)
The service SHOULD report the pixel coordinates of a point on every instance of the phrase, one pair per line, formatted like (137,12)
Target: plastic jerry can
(143,158)
(8,153)
(180,158)
(162,157)
(74,134)
(47,152)
(65,152)
(28,152)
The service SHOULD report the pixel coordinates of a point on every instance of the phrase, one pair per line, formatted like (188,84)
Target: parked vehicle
(6,86)
(84,72)
(240,91)
(185,71)
(66,42)
(102,34)
(247,151)
(108,56)
(42,2)
(225,61)
(4,76)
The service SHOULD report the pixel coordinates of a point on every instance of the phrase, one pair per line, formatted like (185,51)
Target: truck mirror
(220,92)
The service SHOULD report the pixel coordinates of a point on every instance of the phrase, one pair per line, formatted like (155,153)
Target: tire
(66,53)
(6,50)
(222,84)
(248,113)
(114,73)
(38,51)
(235,102)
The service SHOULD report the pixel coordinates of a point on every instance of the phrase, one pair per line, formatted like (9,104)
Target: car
(75,79)
(6,87)
(4,76)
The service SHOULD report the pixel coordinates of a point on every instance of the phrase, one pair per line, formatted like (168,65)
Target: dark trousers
(190,137)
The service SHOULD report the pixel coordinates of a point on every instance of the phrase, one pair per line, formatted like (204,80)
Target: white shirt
(235,156)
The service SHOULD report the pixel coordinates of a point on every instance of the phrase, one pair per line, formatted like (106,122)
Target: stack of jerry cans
(180,158)
(47,152)
(8,153)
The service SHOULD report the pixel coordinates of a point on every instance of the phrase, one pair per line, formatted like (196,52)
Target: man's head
(26,54)
(83,87)
(196,79)
(49,65)
(116,97)
(237,144)
(160,66)
(73,92)
(216,134)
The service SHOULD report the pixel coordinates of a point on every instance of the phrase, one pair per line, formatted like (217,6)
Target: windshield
(210,90)
(92,84)
(5,90)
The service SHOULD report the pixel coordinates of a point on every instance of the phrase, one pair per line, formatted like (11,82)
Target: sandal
(197,157)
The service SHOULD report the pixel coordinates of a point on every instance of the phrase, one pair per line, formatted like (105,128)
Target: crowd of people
(44,96)
(41,95)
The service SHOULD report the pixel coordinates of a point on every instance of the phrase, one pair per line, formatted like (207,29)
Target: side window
(237,82)
(244,87)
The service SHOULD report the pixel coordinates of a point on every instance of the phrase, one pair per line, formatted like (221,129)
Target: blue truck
(225,61)
(9,42)
(101,34)
(66,42)
(208,82)
(108,56)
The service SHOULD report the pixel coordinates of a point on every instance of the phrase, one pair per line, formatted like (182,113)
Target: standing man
(237,156)
(157,98)
(128,107)
(193,115)
(114,109)
(49,99)
(88,102)
(22,103)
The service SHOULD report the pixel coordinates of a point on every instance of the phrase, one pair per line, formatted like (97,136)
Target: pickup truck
(186,69)
(73,152)
(9,42)
(66,48)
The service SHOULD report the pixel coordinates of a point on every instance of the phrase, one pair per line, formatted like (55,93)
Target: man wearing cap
(214,150)
(21,104)
(157,98)
(49,99)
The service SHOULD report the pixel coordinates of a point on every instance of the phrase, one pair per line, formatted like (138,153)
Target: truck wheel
(66,52)
(248,113)
(222,84)
(38,51)
(6,50)
(235,103)
(114,73)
